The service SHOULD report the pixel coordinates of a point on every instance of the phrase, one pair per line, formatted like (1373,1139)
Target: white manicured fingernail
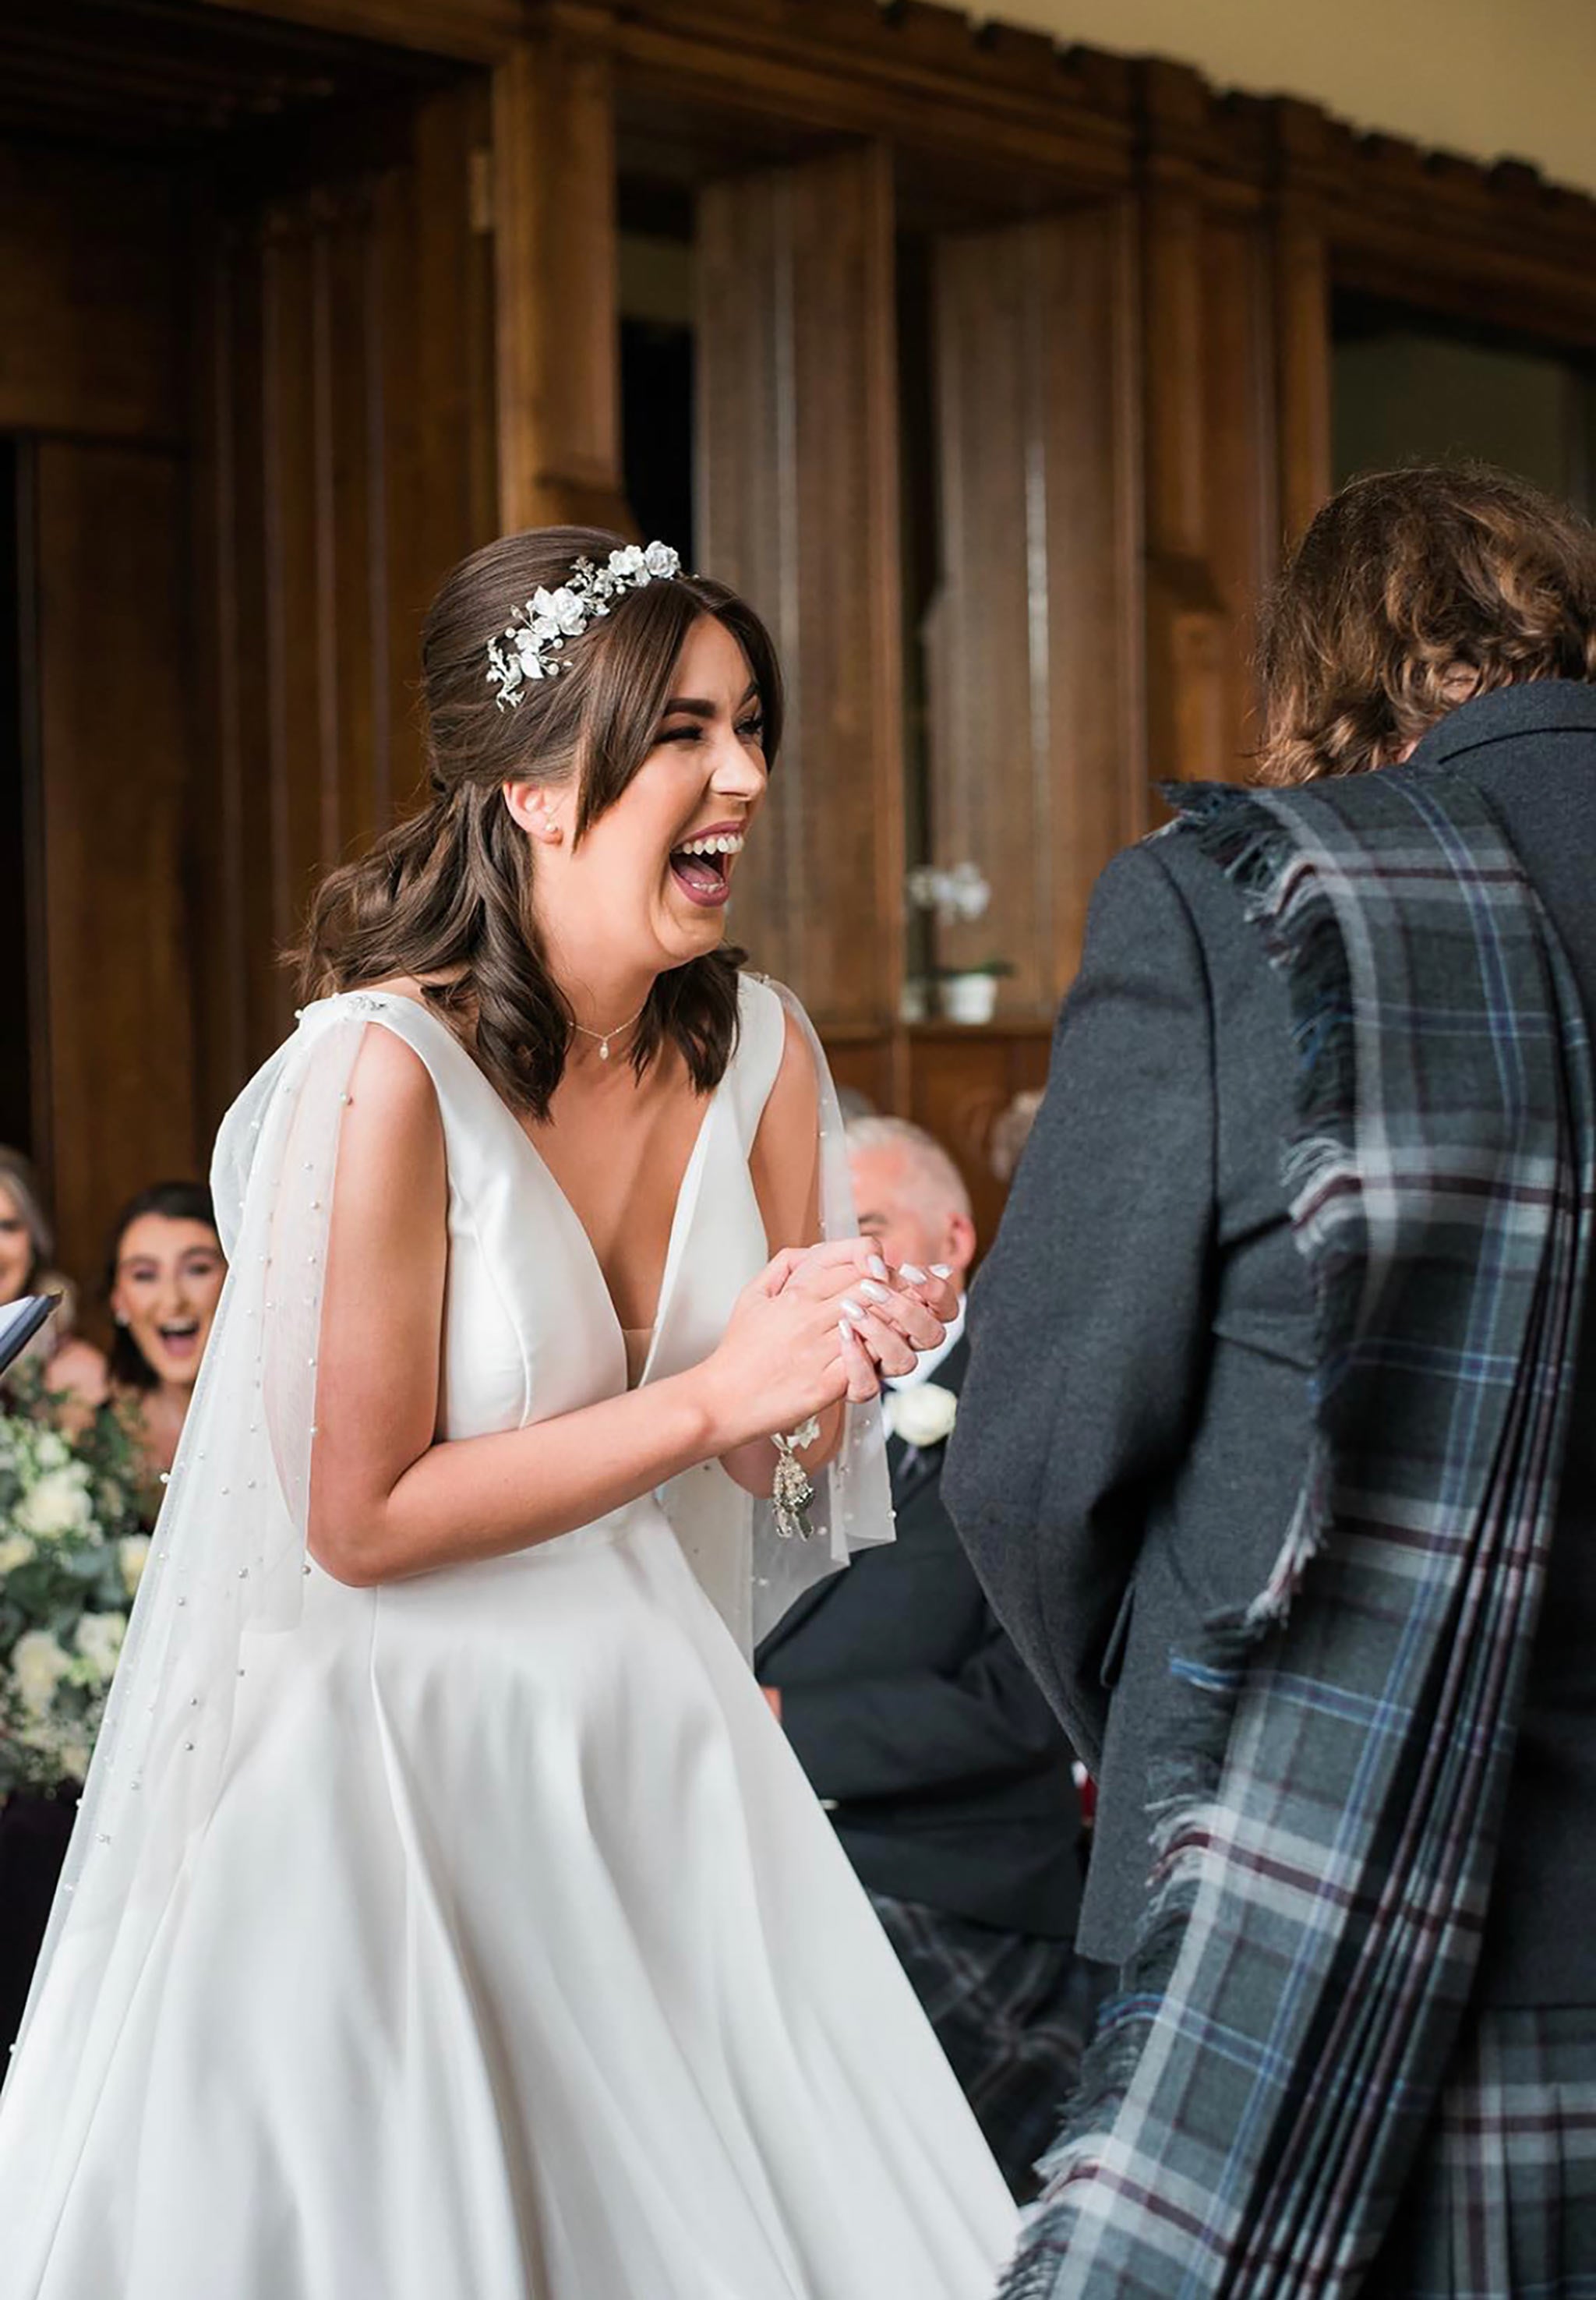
(867,1286)
(942,1270)
(846,1330)
(876,1266)
(853,1310)
(915,1276)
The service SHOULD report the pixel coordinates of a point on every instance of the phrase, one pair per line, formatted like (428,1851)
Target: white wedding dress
(513,1958)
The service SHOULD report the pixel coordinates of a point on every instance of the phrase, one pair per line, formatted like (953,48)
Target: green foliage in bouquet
(72,1552)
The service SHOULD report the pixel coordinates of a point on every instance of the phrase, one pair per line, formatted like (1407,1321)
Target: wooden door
(347,462)
(106,754)
(1033,669)
(797,487)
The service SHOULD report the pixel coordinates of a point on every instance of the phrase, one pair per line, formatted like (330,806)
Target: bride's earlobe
(528,805)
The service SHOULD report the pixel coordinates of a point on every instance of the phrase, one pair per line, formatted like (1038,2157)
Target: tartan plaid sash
(1326,1830)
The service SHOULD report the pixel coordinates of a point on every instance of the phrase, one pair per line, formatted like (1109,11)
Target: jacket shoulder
(1165,887)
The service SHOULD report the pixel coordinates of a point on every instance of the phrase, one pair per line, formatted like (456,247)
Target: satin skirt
(519,1963)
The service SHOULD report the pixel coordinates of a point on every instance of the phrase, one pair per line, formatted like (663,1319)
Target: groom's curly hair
(446,896)
(1412,592)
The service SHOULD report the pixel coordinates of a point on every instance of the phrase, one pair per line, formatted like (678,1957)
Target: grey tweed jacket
(1135,1414)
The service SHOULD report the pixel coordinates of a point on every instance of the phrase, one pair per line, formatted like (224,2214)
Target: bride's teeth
(726,843)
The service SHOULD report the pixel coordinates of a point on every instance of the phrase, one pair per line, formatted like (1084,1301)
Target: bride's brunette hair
(446,896)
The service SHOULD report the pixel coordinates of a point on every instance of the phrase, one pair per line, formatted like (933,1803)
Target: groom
(1279,1420)
(949,1782)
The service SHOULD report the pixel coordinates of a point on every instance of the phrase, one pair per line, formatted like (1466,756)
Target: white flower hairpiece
(530,644)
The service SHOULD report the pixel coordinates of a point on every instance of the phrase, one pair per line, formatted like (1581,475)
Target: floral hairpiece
(538,631)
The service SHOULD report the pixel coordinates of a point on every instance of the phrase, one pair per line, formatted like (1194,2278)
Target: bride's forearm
(470,1498)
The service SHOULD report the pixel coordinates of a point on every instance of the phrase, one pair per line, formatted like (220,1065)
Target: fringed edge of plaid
(1091,2228)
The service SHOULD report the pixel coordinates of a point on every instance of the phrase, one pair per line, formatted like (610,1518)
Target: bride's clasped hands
(819,1326)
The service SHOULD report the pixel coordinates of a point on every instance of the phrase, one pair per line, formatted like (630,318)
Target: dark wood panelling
(349,458)
(106,362)
(106,533)
(553,197)
(797,506)
(1213,526)
(963,1082)
(1033,667)
(1241,515)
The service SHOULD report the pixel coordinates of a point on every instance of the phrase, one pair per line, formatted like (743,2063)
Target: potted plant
(968,994)
(956,898)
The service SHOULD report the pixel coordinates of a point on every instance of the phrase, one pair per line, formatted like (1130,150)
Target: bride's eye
(753,730)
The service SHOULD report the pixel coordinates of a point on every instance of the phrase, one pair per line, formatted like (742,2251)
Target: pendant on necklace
(603,1050)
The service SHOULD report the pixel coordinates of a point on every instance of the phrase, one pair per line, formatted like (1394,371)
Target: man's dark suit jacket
(908,1705)
(1135,1421)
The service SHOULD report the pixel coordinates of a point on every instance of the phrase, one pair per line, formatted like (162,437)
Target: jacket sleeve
(906,1732)
(1088,1323)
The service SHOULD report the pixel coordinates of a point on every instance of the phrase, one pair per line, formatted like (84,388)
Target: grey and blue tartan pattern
(1261,2090)
(1504,2200)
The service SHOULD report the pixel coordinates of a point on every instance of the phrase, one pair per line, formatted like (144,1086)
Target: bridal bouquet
(70,1556)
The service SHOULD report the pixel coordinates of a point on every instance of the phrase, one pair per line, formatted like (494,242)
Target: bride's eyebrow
(697,708)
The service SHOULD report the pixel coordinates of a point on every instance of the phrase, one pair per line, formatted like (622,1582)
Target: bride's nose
(737,771)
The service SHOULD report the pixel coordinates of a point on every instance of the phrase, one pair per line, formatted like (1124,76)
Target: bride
(446,1918)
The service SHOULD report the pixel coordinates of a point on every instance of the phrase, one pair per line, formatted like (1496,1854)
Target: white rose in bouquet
(58,1502)
(37,1665)
(99,1640)
(16,1549)
(922,1415)
(132,1555)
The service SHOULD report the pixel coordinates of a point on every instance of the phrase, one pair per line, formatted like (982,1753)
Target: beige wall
(1488,78)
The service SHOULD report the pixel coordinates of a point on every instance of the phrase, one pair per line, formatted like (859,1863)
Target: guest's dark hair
(446,896)
(1411,593)
(177,1202)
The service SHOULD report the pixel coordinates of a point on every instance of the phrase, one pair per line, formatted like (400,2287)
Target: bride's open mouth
(702,865)
(182,1340)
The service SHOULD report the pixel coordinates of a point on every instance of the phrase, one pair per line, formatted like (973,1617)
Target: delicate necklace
(604,1036)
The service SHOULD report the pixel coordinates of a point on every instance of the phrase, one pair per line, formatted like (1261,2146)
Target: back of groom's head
(1412,593)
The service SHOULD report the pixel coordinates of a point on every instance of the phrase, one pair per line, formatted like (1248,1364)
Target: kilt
(1503,2202)
(1012,2012)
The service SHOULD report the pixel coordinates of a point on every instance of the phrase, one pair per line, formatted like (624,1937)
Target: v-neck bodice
(529,1328)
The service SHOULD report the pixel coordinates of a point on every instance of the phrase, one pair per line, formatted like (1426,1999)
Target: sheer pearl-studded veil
(227,1569)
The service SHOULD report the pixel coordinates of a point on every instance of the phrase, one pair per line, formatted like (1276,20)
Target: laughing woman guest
(165,1280)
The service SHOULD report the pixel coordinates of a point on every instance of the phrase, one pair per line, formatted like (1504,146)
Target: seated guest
(164,1279)
(948,1780)
(71,1369)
